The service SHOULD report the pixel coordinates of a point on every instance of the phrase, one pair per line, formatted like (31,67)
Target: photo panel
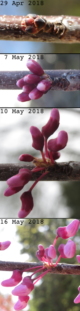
(56,173)
(42,267)
(39,26)
(23,83)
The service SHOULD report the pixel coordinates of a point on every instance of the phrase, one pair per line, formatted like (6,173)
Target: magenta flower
(4,245)
(51,252)
(52,124)
(61,250)
(48,157)
(27,204)
(67,250)
(14,280)
(58,143)
(24,288)
(30,78)
(68,231)
(44,85)
(34,85)
(21,303)
(77,299)
(34,67)
(38,139)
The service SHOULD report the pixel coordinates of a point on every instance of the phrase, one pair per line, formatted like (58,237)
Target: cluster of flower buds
(46,255)
(34,85)
(49,152)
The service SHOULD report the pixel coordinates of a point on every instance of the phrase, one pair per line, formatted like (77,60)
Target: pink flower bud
(34,67)
(32,79)
(78,258)
(20,83)
(69,249)
(58,143)
(38,139)
(14,280)
(21,303)
(19,180)
(4,245)
(44,85)
(68,231)
(24,288)
(39,256)
(27,204)
(62,140)
(10,191)
(52,124)
(40,247)
(61,250)
(77,299)
(23,97)
(28,88)
(51,252)
(26,158)
(35,94)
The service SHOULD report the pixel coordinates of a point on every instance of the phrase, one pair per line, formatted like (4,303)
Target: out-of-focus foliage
(6,303)
(56,292)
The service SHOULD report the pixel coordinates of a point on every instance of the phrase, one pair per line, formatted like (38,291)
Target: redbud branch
(67,80)
(54,29)
(59,171)
(59,269)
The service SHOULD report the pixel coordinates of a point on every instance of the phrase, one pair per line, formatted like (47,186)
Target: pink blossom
(61,250)
(24,288)
(14,280)
(38,139)
(68,231)
(58,143)
(27,204)
(52,125)
(51,252)
(70,249)
(21,303)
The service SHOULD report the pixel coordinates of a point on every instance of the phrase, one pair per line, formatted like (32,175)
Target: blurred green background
(55,292)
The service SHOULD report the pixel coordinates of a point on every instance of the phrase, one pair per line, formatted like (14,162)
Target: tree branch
(59,171)
(59,29)
(67,80)
(59,269)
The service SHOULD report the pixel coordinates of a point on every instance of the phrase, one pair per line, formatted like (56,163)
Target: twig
(59,269)
(59,29)
(60,171)
(67,80)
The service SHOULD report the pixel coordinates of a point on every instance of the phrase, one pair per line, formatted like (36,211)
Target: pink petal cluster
(46,254)
(67,250)
(14,280)
(34,85)
(68,231)
(49,153)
